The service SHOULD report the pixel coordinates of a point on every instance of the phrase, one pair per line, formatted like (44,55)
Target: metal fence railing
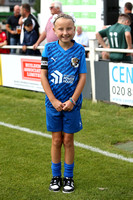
(93,56)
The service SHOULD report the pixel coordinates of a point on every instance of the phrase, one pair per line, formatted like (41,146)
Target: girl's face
(64,29)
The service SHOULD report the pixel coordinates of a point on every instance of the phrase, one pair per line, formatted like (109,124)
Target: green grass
(25,162)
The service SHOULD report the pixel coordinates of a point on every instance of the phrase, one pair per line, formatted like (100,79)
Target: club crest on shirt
(75,62)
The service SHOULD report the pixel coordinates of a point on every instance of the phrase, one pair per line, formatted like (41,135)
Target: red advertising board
(31,69)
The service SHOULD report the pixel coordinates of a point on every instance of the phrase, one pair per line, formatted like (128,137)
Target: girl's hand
(58,105)
(68,106)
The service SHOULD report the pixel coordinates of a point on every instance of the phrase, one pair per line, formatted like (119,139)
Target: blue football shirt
(64,68)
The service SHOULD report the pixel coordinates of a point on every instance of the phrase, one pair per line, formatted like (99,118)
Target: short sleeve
(44,59)
(83,68)
(45,50)
(9,20)
(127,29)
(103,32)
(4,36)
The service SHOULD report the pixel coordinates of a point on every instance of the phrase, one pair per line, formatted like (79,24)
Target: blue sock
(56,169)
(68,172)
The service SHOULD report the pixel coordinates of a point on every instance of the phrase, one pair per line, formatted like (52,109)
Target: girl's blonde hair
(65,16)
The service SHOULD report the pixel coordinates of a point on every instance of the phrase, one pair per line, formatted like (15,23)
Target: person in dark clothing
(128,10)
(119,37)
(30,37)
(11,27)
(26,14)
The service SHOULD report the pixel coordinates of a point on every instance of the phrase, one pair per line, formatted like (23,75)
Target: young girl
(63,76)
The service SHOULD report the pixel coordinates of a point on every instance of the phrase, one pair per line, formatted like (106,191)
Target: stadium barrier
(106,81)
(111,81)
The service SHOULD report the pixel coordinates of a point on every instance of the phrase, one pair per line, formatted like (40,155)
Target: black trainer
(68,185)
(55,184)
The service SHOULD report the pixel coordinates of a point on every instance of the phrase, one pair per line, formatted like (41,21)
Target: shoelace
(68,182)
(55,181)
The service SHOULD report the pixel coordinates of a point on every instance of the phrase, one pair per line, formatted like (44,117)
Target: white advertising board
(121,83)
(88,14)
(21,72)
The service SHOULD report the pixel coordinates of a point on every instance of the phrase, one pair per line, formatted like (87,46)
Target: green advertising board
(84,11)
(78,2)
(87,15)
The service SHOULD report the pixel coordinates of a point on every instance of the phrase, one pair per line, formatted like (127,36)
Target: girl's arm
(58,105)
(80,86)
(68,105)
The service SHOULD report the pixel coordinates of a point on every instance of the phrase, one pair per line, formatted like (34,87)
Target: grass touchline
(81,145)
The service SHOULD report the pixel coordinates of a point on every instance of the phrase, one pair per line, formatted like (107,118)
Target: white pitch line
(81,145)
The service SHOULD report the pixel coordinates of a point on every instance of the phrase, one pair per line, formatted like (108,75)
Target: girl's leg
(68,142)
(68,182)
(56,147)
(56,181)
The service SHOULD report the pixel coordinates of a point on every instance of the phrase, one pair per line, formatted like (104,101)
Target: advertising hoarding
(21,72)
(121,83)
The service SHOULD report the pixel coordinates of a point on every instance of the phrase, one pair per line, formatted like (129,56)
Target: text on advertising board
(125,74)
(31,69)
(121,83)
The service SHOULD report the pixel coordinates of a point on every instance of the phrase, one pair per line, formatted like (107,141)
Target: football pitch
(102,170)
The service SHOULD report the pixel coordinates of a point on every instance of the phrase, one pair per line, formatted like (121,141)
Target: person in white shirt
(81,37)
(48,33)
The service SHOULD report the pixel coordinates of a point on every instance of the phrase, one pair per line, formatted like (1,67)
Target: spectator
(11,25)
(48,33)
(80,37)
(128,10)
(30,37)
(26,14)
(3,41)
(119,37)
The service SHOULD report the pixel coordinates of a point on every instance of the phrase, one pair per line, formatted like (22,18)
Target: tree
(37,6)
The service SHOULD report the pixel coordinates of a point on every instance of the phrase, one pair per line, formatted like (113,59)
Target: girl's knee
(57,142)
(68,142)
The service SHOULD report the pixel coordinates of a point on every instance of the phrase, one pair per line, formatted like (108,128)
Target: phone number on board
(122,91)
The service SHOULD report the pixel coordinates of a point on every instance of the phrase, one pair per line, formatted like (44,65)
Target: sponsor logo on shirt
(68,79)
(59,78)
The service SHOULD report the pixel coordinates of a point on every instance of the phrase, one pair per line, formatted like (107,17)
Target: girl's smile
(65,30)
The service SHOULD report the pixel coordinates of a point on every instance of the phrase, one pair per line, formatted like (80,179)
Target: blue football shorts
(68,122)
